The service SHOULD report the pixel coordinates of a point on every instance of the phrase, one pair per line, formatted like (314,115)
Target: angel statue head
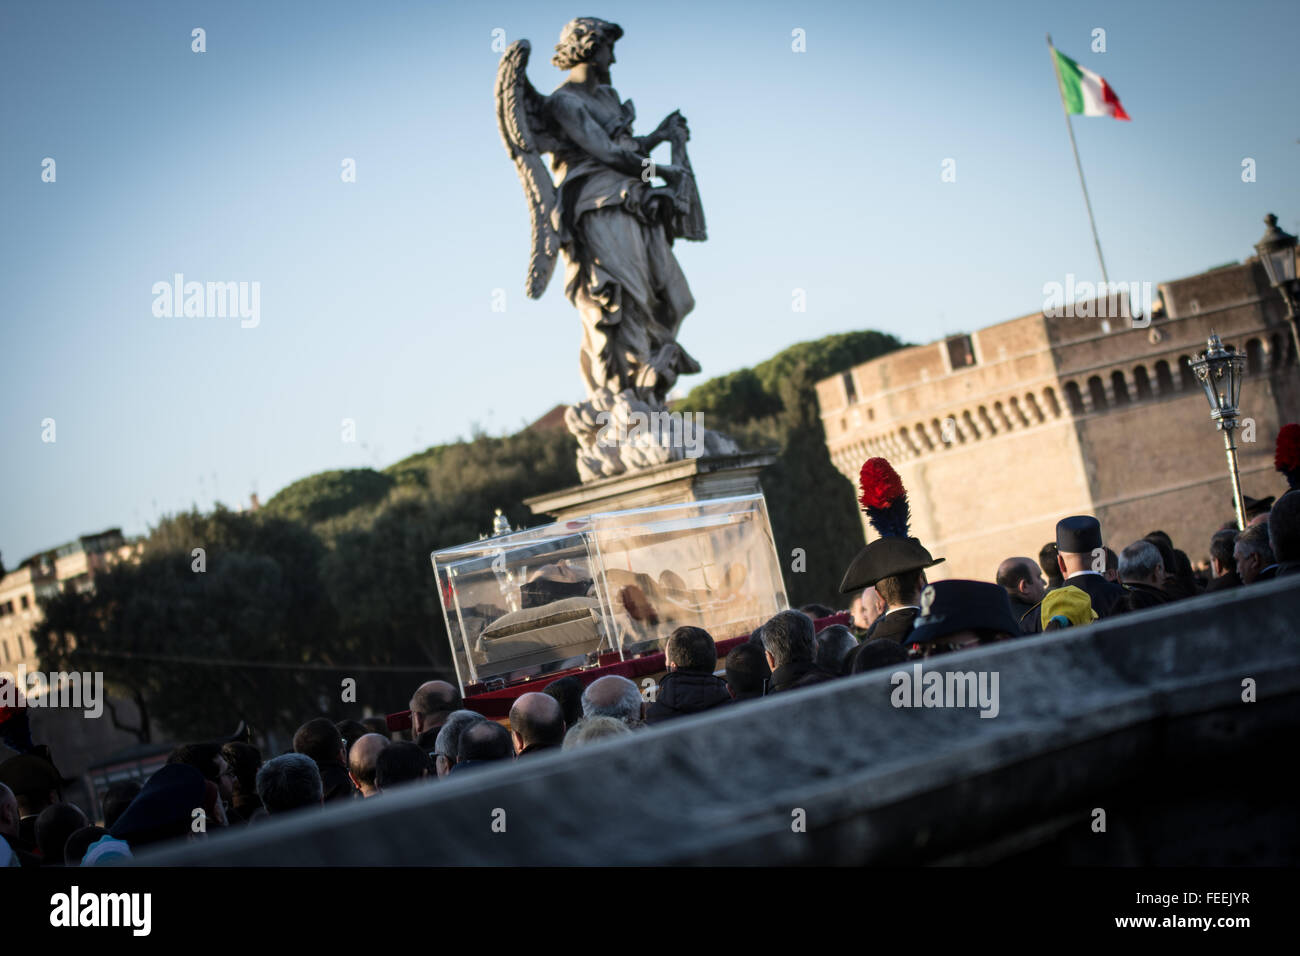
(581,39)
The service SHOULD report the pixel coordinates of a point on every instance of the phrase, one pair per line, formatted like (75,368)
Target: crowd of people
(895,614)
(1076,580)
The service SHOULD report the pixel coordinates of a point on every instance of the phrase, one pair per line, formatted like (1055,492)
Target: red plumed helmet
(880,484)
(1286,458)
(884,498)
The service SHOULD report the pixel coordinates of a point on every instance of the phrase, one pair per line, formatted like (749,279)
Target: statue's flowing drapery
(615,231)
(621,273)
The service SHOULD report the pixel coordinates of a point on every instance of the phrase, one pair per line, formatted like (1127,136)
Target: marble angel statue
(615,230)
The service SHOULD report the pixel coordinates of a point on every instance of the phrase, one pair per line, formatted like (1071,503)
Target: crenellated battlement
(1044,415)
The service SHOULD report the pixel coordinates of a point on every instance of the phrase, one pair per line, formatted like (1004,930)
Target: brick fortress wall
(999,434)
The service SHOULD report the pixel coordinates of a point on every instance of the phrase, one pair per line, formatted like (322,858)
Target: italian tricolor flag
(1083,91)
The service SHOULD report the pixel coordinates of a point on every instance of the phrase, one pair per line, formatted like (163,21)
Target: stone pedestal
(692,479)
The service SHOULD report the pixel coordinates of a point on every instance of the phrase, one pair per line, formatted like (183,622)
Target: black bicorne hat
(884,558)
(1256,506)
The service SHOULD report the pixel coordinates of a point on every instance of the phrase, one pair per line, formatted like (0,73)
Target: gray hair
(626,706)
(448,739)
(831,646)
(592,729)
(1254,540)
(288,782)
(788,637)
(1139,561)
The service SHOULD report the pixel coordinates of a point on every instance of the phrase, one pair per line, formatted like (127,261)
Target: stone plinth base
(692,479)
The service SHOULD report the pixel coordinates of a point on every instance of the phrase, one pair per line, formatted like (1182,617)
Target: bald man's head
(430,705)
(536,720)
(613,696)
(8,811)
(362,759)
(1022,579)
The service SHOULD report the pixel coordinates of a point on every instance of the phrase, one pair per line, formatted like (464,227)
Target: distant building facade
(69,567)
(1000,433)
(75,740)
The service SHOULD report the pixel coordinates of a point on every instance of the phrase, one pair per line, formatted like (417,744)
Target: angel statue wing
(524,130)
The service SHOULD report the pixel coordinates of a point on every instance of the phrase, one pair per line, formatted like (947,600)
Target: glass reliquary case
(607,587)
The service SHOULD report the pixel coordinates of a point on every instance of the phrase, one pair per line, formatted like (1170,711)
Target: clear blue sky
(818,170)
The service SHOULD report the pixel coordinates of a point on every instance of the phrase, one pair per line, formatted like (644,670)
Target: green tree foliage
(329,494)
(479,476)
(199,641)
(809,362)
(736,397)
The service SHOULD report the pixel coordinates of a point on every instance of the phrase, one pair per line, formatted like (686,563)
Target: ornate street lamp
(1277,253)
(1220,371)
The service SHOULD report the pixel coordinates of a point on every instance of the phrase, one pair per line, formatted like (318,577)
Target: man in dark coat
(35,783)
(1050,567)
(320,740)
(1222,564)
(206,758)
(568,691)
(431,704)
(689,687)
(1024,584)
(832,647)
(1142,571)
(1081,557)
(901,592)
(788,645)
(1254,555)
(53,827)
(747,670)
(1284,533)
(480,744)
(872,655)
(896,566)
(536,724)
(1179,582)
(895,562)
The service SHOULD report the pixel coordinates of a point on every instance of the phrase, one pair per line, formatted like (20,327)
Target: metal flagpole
(1077,165)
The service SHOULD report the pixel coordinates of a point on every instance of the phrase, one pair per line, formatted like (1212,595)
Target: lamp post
(1220,371)
(1277,252)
